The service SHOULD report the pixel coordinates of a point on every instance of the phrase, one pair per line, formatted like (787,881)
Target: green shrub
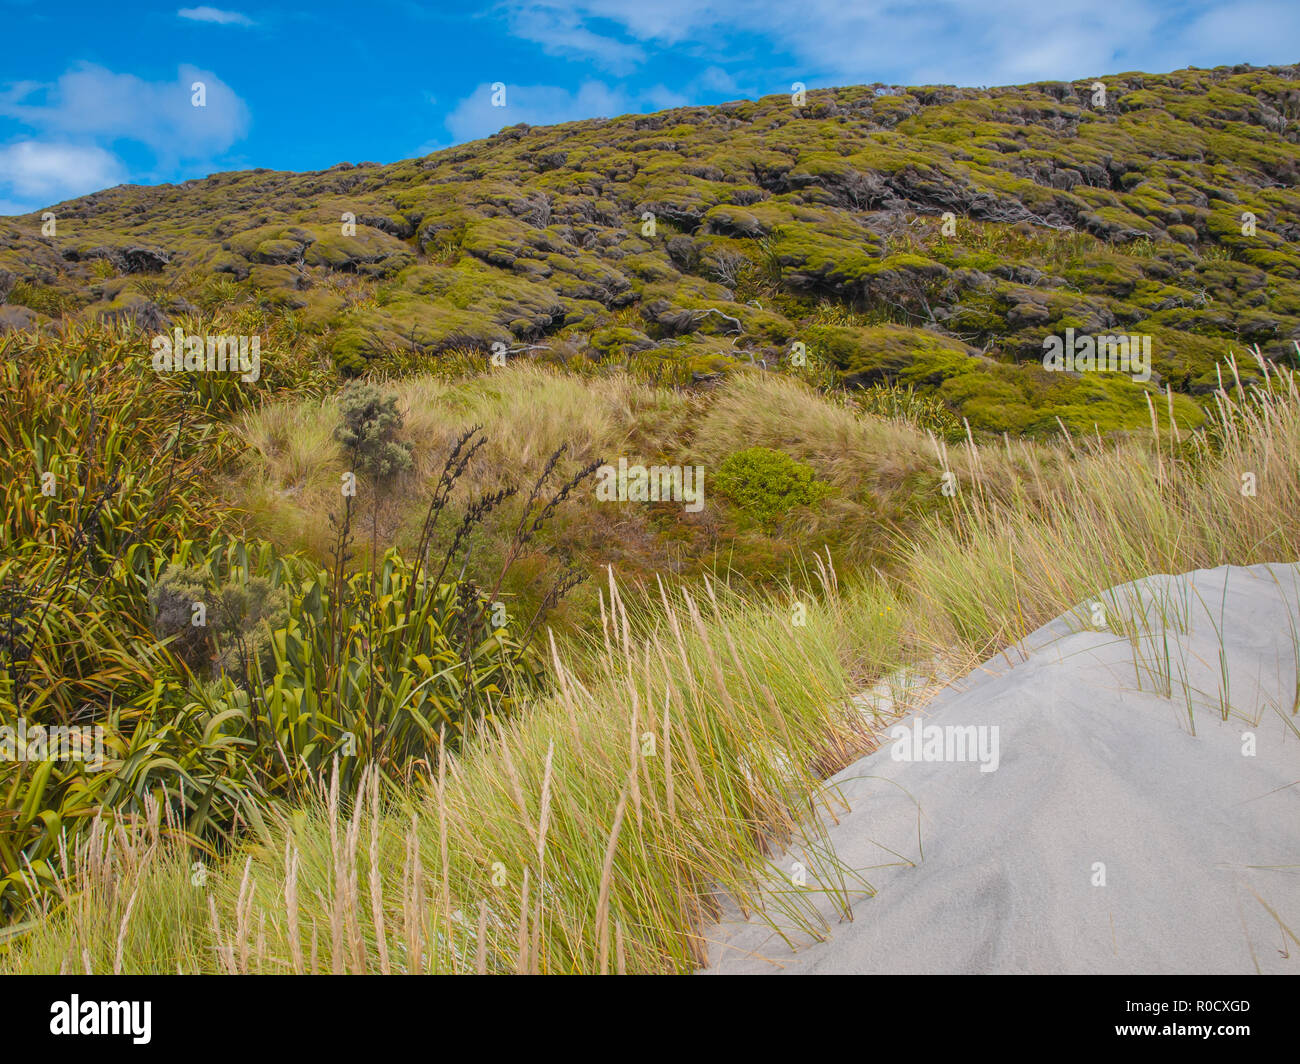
(887,354)
(236,620)
(52,302)
(370,422)
(766,484)
(172,600)
(351,349)
(618,342)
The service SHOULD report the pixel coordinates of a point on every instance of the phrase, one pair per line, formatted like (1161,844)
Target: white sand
(1195,837)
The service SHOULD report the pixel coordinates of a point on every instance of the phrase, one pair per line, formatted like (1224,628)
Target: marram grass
(597,831)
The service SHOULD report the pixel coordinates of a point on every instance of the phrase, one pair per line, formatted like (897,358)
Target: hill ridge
(931,236)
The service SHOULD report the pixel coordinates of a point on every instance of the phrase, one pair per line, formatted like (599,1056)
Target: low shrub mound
(767,484)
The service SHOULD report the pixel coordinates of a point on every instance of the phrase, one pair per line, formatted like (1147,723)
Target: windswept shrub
(221,629)
(43,299)
(172,600)
(247,614)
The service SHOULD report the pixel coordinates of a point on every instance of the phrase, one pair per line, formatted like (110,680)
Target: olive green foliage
(173,599)
(248,612)
(965,220)
(905,403)
(44,299)
(890,353)
(370,423)
(231,629)
(766,484)
(297,666)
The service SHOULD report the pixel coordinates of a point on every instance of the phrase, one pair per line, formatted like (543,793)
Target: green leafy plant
(767,484)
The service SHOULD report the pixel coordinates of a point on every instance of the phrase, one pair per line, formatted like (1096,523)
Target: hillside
(682,244)
(587,478)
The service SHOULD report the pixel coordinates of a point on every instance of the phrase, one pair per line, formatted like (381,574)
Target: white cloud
(538,105)
(547,105)
(661,98)
(42,173)
(964,42)
(662,21)
(1259,32)
(215,14)
(561,33)
(92,102)
(717,80)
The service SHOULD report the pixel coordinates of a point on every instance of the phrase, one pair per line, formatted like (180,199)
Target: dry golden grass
(884,473)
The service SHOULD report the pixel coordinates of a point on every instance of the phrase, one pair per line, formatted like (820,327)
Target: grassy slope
(627,836)
(884,475)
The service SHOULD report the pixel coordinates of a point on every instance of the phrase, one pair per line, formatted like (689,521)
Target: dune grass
(689,735)
(587,835)
(881,473)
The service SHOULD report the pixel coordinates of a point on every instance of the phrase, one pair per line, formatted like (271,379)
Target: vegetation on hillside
(596,831)
(365,708)
(928,236)
(225,672)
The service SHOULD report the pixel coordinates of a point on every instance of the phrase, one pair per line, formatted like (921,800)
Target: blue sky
(94,94)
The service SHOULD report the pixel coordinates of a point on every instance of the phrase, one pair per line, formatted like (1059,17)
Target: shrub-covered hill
(683,243)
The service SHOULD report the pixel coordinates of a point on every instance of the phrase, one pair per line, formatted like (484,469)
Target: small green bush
(238,619)
(247,613)
(43,299)
(766,484)
(370,422)
(172,599)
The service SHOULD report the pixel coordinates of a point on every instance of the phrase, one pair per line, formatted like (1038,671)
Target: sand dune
(1098,773)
